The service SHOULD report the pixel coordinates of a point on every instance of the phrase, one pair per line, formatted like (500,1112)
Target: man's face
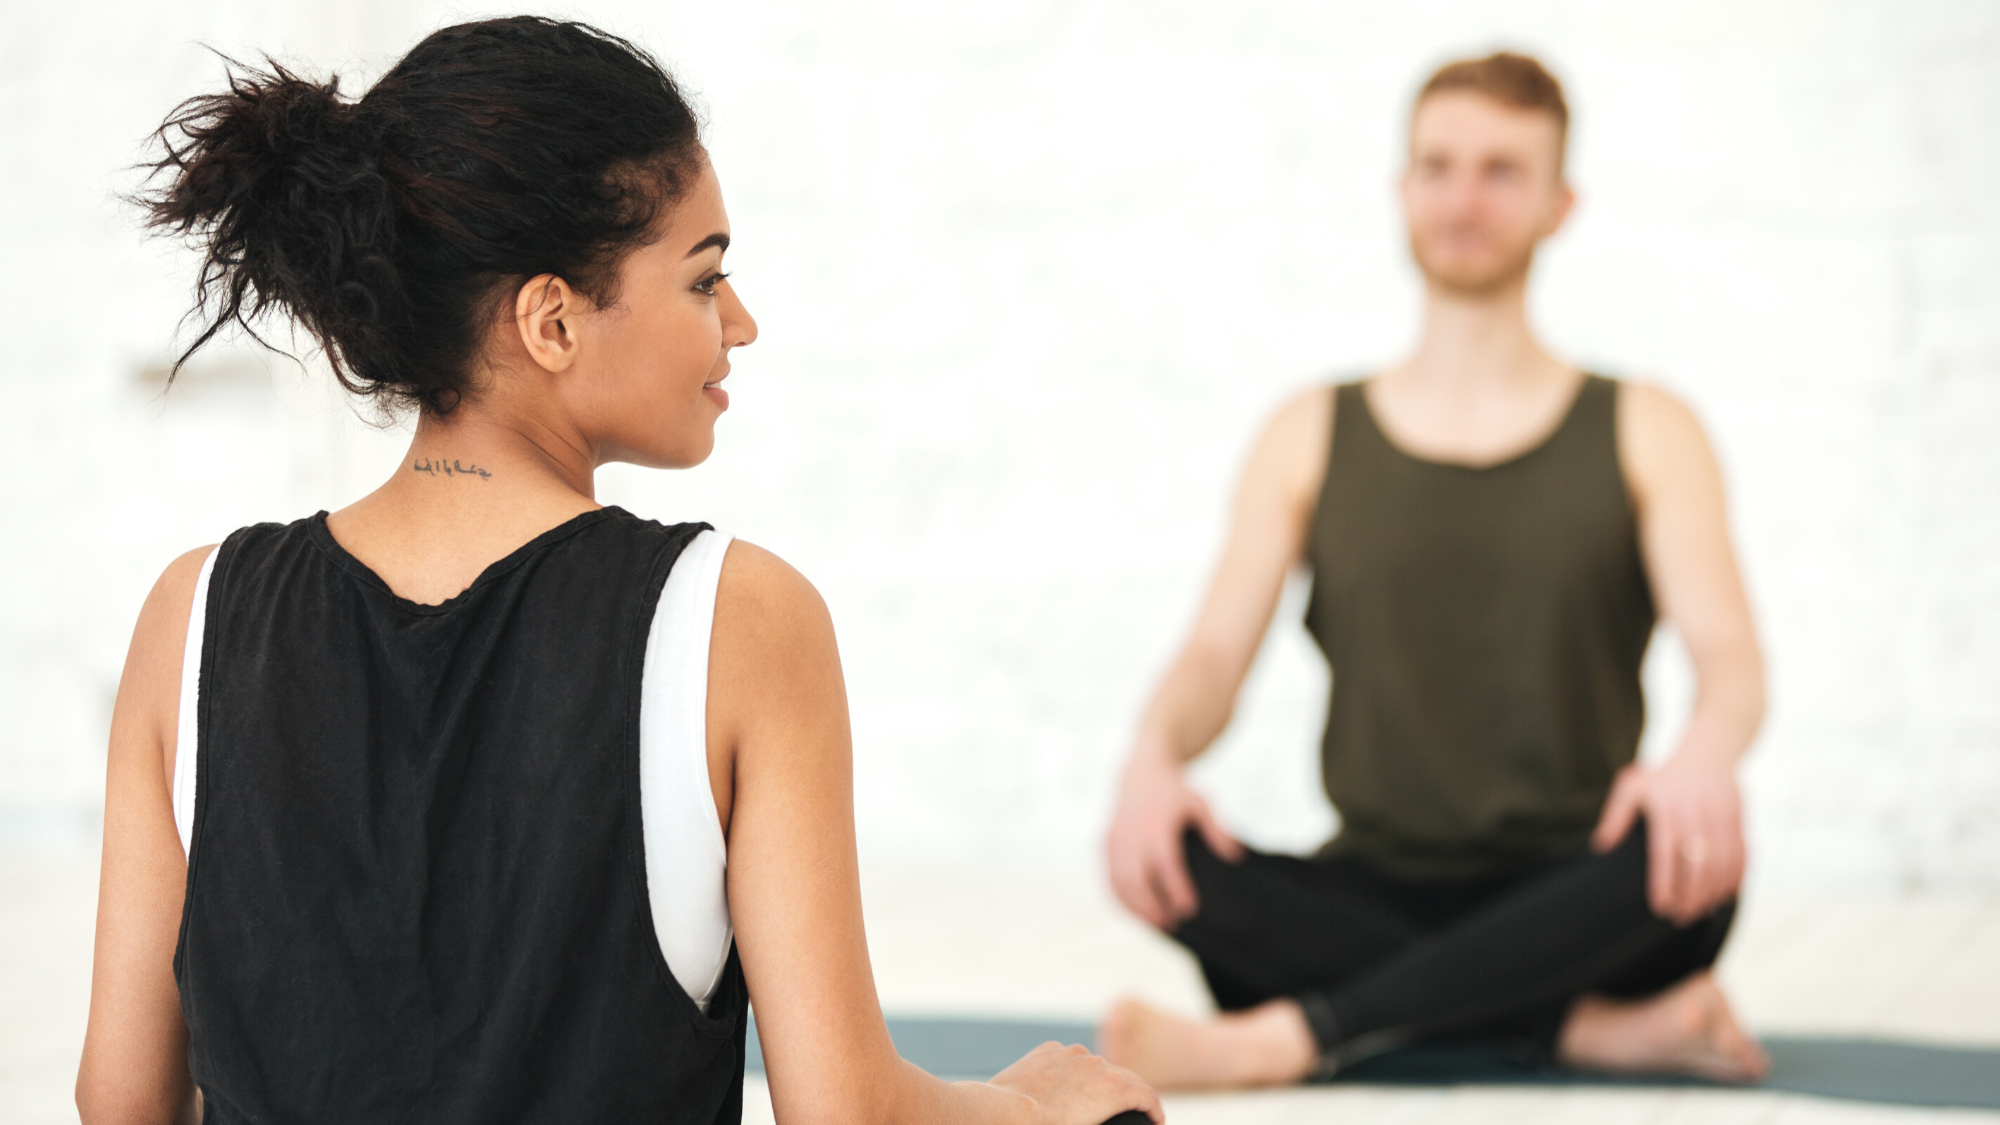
(1484,186)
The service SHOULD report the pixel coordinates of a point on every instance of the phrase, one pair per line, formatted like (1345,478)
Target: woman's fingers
(1122,1092)
(1074,1087)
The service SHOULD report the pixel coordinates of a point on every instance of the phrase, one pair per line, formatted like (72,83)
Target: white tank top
(686,859)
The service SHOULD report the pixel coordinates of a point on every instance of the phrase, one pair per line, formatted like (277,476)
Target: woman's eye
(707,284)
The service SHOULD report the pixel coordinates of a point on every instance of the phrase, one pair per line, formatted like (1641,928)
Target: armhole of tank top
(187,725)
(686,856)
(1331,448)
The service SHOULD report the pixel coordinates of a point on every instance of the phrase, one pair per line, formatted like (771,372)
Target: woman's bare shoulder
(149,690)
(771,625)
(762,589)
(164,616)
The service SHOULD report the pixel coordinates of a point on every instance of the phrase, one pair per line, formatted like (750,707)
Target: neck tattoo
(452,468)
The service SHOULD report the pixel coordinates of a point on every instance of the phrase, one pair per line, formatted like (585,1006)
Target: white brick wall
(1030,274)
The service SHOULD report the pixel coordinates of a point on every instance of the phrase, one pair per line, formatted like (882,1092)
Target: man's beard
(1478,279)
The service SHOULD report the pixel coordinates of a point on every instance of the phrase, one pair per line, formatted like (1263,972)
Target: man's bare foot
(1688,1029)
(1269,1045)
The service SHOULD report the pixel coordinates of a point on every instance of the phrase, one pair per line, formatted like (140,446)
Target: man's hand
(1143,850)
(1694,832)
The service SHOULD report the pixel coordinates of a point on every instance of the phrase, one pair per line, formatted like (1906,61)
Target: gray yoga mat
(1872,1070)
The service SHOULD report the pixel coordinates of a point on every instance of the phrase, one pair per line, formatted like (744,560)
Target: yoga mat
(1874,1070)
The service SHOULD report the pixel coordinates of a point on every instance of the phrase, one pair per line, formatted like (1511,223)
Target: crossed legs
(1319,963)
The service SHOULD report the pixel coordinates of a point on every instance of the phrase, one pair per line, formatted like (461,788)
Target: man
(1492,534)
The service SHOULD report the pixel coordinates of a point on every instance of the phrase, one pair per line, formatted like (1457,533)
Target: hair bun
(277,180)
(292,116)
(495,151)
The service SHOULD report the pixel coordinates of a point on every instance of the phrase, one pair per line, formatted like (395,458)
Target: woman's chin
(687,451)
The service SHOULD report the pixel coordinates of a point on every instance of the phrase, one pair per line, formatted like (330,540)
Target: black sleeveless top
(1485,628)
(416,888)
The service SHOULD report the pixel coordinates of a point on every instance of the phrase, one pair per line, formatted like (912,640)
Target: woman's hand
(1694,832)
(1143,850)
(1071,1086)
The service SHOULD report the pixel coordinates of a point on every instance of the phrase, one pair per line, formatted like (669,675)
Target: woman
(407,812)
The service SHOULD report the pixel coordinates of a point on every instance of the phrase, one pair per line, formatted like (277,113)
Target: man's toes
(1747,1059)
(1738,1056)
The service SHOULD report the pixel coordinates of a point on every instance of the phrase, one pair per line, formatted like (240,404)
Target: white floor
(1048,942)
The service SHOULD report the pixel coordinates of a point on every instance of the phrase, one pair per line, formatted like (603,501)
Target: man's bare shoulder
(1649,413)
(1290,457)
(1660,438)
(1653,406)
(1308,413)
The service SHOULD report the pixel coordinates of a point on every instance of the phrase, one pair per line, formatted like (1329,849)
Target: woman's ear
(544,311)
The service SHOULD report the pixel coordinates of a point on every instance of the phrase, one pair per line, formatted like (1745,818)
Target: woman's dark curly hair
(387,227)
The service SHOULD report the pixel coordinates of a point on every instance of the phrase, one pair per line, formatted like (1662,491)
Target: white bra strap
(686,856)
(186,727)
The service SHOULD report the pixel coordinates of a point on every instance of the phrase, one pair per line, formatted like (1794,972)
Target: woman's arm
(781,761)
(135,1051)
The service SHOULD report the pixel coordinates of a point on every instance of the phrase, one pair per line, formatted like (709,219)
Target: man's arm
(1693,811)
(1273,514)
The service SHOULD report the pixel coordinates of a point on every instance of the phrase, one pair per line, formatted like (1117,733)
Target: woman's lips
(716,395)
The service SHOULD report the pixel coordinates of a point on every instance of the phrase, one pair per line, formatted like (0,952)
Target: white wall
(1029,275)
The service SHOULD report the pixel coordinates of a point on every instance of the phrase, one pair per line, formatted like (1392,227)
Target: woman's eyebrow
(719,238)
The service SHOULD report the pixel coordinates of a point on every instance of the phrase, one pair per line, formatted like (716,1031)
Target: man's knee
(1623,870)
(1630,863)
(1205,869)
(1685,951)
(1681,951)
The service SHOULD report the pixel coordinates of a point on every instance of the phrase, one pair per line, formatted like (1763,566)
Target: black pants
(1378,962)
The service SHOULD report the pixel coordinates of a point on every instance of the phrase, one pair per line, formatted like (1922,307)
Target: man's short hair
(1510,79)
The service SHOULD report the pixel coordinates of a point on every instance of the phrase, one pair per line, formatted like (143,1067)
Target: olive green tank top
(1485,627)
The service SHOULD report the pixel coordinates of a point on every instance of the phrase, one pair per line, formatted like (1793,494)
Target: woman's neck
(529,453)
(474,486)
